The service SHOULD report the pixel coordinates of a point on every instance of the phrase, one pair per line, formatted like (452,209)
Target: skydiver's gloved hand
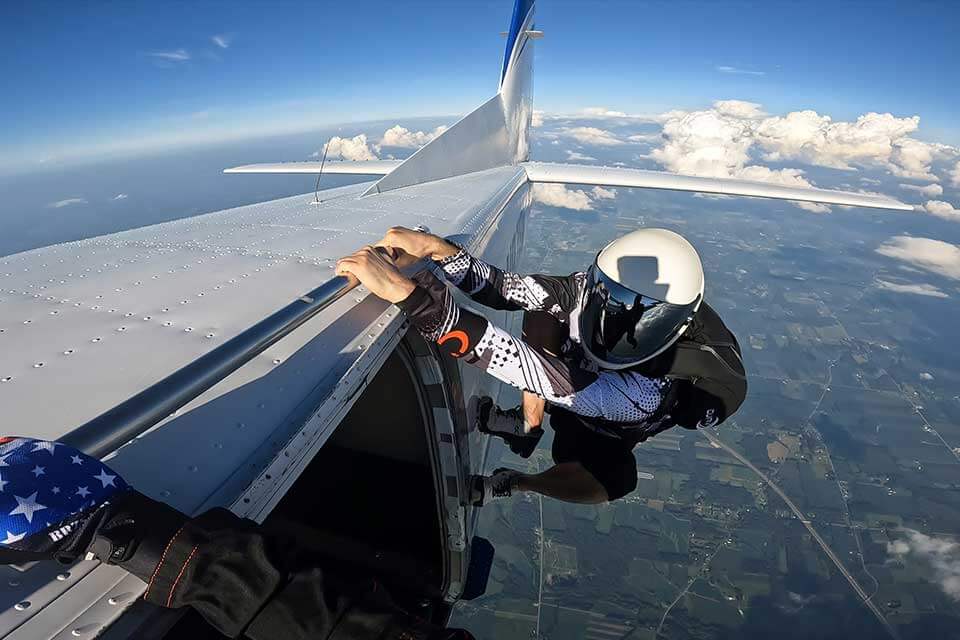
(57,502)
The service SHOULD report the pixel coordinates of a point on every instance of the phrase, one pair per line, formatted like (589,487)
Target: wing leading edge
(358,167)
(547,172)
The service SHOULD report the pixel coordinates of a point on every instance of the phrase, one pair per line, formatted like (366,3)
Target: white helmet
(640,296)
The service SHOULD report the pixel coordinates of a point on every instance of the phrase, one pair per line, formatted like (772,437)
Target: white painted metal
(620,177)
(215,274)
(358,167)
(478,141)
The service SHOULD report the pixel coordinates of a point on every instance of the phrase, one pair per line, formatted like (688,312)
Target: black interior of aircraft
(367,503)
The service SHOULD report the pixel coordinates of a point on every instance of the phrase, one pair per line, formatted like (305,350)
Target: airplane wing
(358,167)
(548,172)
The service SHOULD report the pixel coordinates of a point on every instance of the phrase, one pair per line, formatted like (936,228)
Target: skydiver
(619,352)
(58,503)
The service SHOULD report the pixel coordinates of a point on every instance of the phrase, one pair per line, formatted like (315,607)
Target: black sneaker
(491,419)
(497,486)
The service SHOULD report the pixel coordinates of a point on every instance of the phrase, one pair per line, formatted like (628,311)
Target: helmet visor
(623,327)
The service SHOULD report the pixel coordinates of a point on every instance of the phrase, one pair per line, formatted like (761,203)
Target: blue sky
(91,79)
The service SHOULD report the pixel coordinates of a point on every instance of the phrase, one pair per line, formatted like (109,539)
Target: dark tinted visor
(622,327)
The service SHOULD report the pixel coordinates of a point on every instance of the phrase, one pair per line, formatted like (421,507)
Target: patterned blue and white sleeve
(460,333)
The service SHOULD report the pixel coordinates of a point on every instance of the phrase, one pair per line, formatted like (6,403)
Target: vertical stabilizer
(495,134)
(516,77)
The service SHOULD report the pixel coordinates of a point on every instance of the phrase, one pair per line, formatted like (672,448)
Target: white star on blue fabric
(38,471)
(12,538)
(105,478)
(83,492)
(55,490)
(3,460)
(76,459)
(26,506)
(45,446)
(3,483)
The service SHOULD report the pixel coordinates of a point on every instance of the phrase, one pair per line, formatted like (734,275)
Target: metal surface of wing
(548,172)
(359,167)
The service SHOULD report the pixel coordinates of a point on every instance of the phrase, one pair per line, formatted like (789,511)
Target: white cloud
(716,144)
(737,70)
(591,135)
(577,156)
(917,289)
(726,140)
(558,195)
(927,189)
(536,120)
(66,203)
(603,112)
(931,255)
(955,175)
(739,109)
(222,40)
(121,196)
(872,181)
(355,148)
(603,194)
(912,158)
(644,137)
(178,55)
(942,209)
(940,554)
(811,137)
(812,207)
(398,136)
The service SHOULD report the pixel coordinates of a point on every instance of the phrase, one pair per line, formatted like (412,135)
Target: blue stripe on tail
(520,10)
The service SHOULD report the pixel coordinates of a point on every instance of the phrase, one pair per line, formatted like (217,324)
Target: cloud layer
(59,204)
(737,70)
(360,147)
(738,139)
(177,55)
(398,136)
(931,255)
(916,289)
(926,189)
(939,554)
(355,148)
(558,195)
(592,135)
(942,209)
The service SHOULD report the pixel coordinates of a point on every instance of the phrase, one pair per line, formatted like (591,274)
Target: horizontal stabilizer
(618,177)
(359,167)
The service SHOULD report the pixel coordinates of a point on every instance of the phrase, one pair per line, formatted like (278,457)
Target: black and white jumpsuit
(576,390)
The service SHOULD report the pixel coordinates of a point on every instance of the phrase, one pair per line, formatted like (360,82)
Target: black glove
(57,502)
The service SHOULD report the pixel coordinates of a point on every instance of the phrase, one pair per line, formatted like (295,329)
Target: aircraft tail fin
(495,134)
(516,77)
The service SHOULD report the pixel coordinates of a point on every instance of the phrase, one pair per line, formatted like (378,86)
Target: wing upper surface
(87,324)
(621,177)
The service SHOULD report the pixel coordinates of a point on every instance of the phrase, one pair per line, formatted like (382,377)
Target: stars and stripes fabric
(44,488)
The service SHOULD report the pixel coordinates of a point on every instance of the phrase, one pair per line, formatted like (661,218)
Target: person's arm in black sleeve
(241,579)
(245,581)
